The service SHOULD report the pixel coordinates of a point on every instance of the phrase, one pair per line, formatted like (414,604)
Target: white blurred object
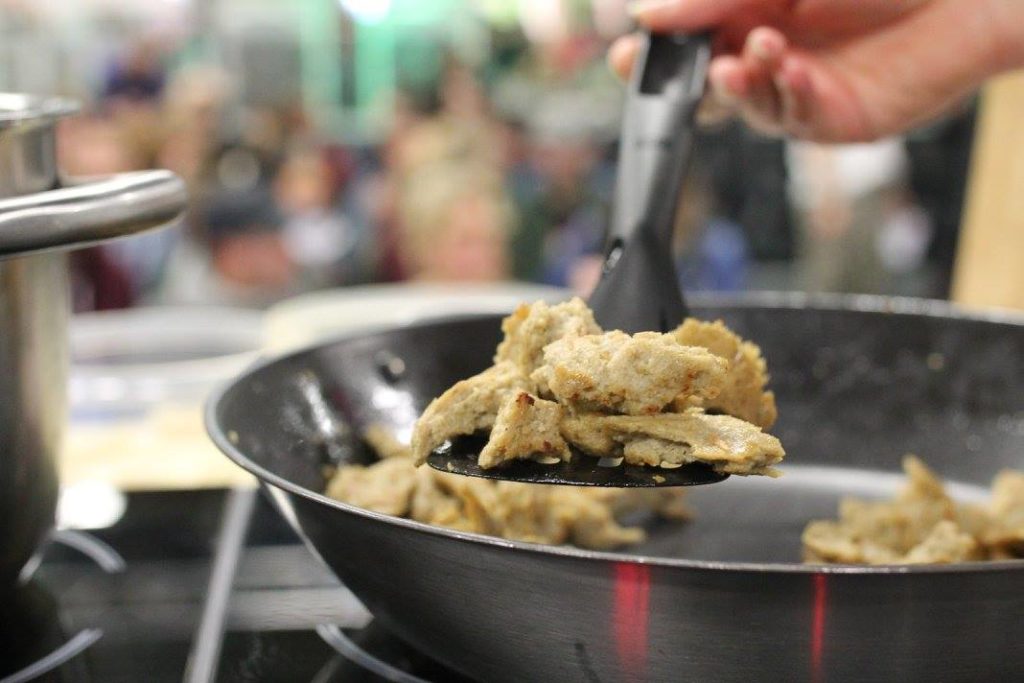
(90,504)
(138,382)
(310,318)
(121,360)
(902,242)
(367,11)
(317,237)
(543,21)
(853,171)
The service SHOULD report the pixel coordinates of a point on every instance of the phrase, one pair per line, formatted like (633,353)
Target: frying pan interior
(858,387)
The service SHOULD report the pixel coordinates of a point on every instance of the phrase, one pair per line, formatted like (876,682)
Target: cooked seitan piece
(727,443)
(448,501)
(534,326)
(1005,535)
(945,543)
(525,512)
(627,374)
(883,532)
(469,406)
(558,353)
(385,486)
(384,443)
(922,525)
(526,427)
(742,391)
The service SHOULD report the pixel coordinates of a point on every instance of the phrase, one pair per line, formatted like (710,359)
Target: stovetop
(194,586)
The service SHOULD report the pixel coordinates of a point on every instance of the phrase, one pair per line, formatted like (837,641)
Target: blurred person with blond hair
(463,128)
(455,224)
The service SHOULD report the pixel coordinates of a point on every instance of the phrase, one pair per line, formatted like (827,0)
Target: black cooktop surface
(194,586)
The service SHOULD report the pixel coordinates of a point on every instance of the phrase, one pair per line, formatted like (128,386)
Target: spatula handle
(657,133)
(639,288)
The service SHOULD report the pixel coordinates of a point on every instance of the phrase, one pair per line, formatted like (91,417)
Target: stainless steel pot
(39,218)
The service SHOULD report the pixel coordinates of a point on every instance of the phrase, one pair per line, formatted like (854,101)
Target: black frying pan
(859,383)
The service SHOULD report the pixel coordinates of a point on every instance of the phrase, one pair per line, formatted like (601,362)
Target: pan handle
(89,212)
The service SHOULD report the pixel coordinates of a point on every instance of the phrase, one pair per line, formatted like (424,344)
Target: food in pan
(588,518)
(922,525)
(696,394)
(620,374)
(742,393)
(666,439)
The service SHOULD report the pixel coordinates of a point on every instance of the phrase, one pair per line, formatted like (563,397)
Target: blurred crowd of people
(493,174)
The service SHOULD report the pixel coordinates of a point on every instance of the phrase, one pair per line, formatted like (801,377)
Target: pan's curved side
(498,615)
(856,391)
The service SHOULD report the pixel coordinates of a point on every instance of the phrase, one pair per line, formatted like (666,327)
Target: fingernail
(761,49)
(722,92)
(764,47)
(640,8)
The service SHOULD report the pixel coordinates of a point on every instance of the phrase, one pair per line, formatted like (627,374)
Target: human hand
(841,70)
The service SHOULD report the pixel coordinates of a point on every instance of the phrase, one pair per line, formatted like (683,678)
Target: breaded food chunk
(742,391)
(728,444)
(468,406)
(526,427)
(945,543)
(588,518)
(1004,536)
(533,326)
(902,530)
(448,501)
(385,486)
(618,373)
(558,357)
(383,442)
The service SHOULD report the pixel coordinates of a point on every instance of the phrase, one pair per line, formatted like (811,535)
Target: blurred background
(331,143)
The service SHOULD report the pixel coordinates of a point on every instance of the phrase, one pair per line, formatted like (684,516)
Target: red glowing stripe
(818,628)
(629,620)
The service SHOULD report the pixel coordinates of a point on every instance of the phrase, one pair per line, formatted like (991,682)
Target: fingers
(623,53)
(760,60)
(684,15)
(621,57)
(796,95)
(767,83)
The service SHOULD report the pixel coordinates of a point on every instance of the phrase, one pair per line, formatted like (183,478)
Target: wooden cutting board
(990,260)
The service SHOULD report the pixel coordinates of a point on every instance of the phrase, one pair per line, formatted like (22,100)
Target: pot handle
(89,211)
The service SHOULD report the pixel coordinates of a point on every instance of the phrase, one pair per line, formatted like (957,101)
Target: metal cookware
(39,217)
(860,382)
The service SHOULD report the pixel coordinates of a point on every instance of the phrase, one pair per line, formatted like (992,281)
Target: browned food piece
(919,526)
(728,444)
(385,486)
(668,503)
(534,326)
(591,524)
(742,392)
(525,512)
(469,406)
(1004,536)
(522,512)
(452,501)
(627,374)
(384,443)
(526,427)
(944,544)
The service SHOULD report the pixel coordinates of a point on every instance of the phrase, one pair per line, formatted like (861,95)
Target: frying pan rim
(781,300)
